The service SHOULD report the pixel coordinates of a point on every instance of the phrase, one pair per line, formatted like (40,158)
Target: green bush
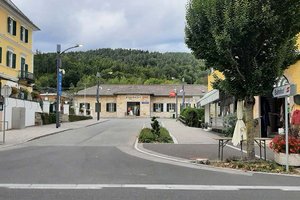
(192,116)
(165,136)
(229,123)
(74,118)
(48,118)
(146,136)
(155,127)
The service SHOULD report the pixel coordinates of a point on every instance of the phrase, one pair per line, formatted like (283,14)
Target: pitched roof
(10,4)
(156,90)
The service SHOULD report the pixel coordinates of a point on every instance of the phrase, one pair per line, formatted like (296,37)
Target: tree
(250,42)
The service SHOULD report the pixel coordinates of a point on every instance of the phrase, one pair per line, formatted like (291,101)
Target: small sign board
(59,83)
(284,91)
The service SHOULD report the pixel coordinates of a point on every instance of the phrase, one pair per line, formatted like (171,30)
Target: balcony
(26,77)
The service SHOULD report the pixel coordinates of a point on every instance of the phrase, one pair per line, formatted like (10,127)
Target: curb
(207,167)
(49,134)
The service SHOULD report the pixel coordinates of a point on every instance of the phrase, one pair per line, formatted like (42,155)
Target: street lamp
(59,79)
(183,94)
(98,104)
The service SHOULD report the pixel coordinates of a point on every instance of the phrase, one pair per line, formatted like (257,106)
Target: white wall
(31,109)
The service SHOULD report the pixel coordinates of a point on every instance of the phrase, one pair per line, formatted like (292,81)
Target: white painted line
(235,148)
(155,155)
(146,186)
(172,136)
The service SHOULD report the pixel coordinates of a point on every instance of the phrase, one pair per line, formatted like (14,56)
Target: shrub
(229,123)
(146,136)
(155,127)
(165,136)
(74,118)
(48,118)
(192,116)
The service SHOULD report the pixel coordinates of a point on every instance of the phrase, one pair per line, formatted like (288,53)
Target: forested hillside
(118,66)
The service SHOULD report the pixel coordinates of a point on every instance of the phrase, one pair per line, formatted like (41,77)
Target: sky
(154,25)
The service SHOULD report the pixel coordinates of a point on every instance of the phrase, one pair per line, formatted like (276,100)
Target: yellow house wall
(20,48)
(211,79)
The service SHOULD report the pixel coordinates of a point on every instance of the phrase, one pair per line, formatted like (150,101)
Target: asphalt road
(99,162)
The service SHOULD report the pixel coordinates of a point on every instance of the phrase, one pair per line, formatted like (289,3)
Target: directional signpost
(284,92)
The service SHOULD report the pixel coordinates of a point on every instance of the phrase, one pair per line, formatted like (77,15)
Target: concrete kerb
(49,134)
(138,147)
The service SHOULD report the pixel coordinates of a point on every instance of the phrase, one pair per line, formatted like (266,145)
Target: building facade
(268,111)
(137,100)
(16,56)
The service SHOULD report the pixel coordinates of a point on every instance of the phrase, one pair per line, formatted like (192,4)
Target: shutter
(26,70)
(168,107)
(21,33)
(0,54)
(26,36)
(14,27)
(115,107)
(154,107)
(14,61)
(7,58)
(8,23)
(107,107)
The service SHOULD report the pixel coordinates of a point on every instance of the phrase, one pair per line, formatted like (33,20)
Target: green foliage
(250,42)
(164,136)
(146,136)
(155,127)
(128,67)
(48,118)
(74,118)
(192,116)
(229,123)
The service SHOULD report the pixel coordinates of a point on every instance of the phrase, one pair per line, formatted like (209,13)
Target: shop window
(171,107)
(158,107)
(111,107)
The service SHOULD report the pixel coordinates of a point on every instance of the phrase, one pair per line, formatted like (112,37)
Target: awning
(209,97)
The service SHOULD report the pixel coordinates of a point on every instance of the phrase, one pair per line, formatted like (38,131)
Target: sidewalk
(14,137)
(194,143)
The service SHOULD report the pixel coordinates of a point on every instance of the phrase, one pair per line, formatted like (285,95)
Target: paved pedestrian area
(196,143)
(19,136)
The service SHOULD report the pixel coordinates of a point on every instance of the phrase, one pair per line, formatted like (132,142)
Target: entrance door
(133,108)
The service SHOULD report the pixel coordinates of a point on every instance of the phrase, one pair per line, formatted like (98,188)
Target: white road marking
(146,186)
(233,147)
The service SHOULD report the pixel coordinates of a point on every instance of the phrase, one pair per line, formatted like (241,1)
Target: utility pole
(98,103)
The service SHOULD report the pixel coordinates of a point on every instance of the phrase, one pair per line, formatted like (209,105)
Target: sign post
(284,92)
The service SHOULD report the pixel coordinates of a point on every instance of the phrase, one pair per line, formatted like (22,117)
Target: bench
(261,142)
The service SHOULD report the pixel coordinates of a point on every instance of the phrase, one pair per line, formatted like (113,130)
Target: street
(100,162)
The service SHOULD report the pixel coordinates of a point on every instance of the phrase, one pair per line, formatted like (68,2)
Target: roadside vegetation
(193,117)
(254,165)
(156,134)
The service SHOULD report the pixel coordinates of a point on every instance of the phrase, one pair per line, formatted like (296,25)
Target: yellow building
(267,110)
(16,56)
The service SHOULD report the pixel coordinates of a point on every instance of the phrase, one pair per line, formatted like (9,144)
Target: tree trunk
(249,104)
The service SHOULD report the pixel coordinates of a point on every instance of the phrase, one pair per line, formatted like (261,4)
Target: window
(171,107)
(0,54)
(11,26)
(24,34)
(158,107)
(10,59)
(111,107)
(23,72)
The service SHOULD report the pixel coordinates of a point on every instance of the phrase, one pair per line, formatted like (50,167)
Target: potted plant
(278,145)
(14,92)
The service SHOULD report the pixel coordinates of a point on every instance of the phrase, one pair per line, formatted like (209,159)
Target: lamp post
(176,105)
(97,98)
(183,94)
(59,79)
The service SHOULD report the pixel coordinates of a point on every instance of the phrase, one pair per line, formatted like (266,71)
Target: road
(99,162)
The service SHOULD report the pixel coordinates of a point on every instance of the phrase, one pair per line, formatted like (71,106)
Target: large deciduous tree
(250,41)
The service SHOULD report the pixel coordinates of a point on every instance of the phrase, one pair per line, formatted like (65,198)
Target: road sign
(60,83)
(284,91)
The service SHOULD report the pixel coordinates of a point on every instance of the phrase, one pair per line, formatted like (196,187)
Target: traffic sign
(284,91)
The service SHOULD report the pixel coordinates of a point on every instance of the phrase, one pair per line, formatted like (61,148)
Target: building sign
(145,102)
(284,91)
(137,98)
(59,83)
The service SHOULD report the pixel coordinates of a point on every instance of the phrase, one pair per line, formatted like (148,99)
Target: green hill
(118,66)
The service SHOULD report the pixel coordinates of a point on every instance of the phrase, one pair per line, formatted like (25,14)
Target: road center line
(146,186)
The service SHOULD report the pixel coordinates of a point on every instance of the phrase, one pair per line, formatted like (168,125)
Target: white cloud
(156,25)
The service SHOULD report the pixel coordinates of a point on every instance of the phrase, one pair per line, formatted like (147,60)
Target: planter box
(280,158)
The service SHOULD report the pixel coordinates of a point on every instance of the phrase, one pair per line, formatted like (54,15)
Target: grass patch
(147,136)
